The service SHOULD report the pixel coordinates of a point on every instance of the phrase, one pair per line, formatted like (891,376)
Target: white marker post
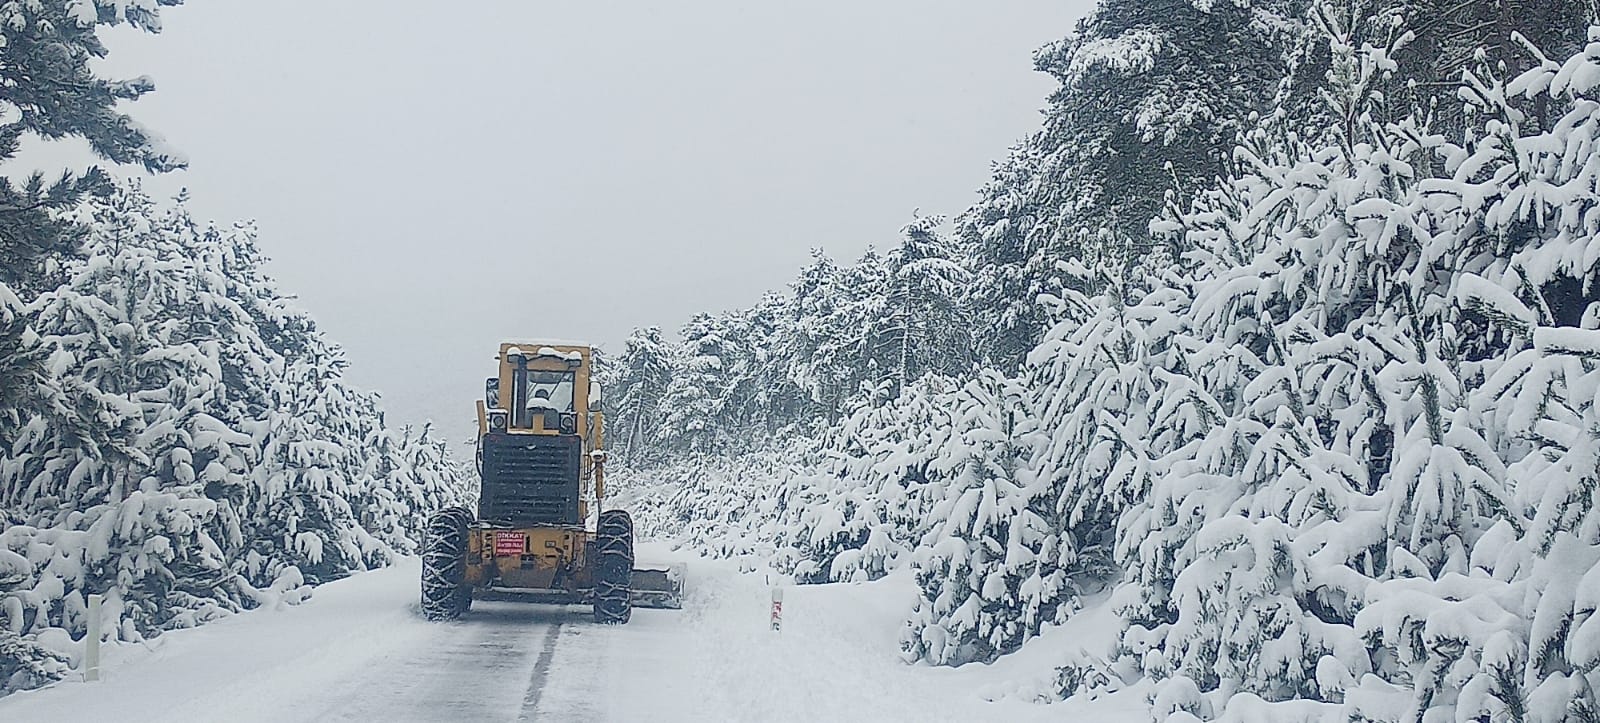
(777,608)
(91,641)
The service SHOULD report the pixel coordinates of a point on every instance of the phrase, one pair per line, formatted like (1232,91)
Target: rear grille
(530,479)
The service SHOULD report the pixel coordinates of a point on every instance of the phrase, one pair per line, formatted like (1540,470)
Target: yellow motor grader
(541,465)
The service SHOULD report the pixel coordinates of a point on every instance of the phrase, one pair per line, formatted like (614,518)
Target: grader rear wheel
(445,595)
(613,572)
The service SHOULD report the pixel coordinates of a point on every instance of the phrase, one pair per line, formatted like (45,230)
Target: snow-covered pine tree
(1145,98)
(988,565)
(1114,404)
(756,397)
(438,480)
(1219,593)
(1343,449)
(792,363)
(1452,37)
(925,329)
(840,321)
(52,92)
(635,386)
(134,330)
(308,474)
(145,475)
(323,467)
(1004,238)
(381,507)
(1535,298)
(820,347)
(693,402)
(863,504)
(1355,520)
(29,395)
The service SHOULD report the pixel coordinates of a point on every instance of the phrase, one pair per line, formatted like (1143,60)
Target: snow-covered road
(359,651)
(489,666)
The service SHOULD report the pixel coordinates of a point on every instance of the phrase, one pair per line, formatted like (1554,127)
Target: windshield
(550,390)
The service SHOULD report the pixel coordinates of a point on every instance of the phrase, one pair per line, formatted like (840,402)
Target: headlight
(569,423)
(498,419)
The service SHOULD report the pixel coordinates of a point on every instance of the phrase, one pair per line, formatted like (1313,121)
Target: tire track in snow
(472,669)
(541,671)
(576,682)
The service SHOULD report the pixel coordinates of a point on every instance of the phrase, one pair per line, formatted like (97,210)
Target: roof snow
(552,352)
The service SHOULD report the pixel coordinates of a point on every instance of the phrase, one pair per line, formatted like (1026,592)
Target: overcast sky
(431,178)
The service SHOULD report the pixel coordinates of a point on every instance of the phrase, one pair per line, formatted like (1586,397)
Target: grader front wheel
(445,595)
(613,572)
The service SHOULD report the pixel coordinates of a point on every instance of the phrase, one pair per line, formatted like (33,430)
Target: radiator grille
(530,479)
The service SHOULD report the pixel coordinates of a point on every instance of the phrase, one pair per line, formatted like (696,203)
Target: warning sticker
(509,543)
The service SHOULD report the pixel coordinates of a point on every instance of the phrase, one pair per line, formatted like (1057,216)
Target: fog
(433,178)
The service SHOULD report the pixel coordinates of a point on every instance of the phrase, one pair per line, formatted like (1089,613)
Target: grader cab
(541,466)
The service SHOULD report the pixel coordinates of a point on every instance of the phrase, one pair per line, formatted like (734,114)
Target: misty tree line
(1145,118)
(1280,338)
(793,363)
(174,433)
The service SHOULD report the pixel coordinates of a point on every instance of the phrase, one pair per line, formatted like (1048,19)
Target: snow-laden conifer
(155,460)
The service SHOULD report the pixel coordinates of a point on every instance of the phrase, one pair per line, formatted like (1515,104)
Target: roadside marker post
(91,641)
(777,608)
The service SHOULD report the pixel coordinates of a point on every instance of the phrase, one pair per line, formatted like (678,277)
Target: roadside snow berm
(541,465)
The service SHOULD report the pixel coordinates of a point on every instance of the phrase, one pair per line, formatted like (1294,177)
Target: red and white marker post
(91,640)
(777,608)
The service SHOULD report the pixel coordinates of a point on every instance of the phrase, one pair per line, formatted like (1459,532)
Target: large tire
(445,595)
(613,568)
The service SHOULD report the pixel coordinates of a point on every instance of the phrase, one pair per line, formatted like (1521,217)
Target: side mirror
(491,392)
(594,396)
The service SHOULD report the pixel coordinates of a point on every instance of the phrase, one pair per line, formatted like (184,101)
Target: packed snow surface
(359,651)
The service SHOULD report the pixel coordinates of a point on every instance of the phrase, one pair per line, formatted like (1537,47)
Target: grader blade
(658,586)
